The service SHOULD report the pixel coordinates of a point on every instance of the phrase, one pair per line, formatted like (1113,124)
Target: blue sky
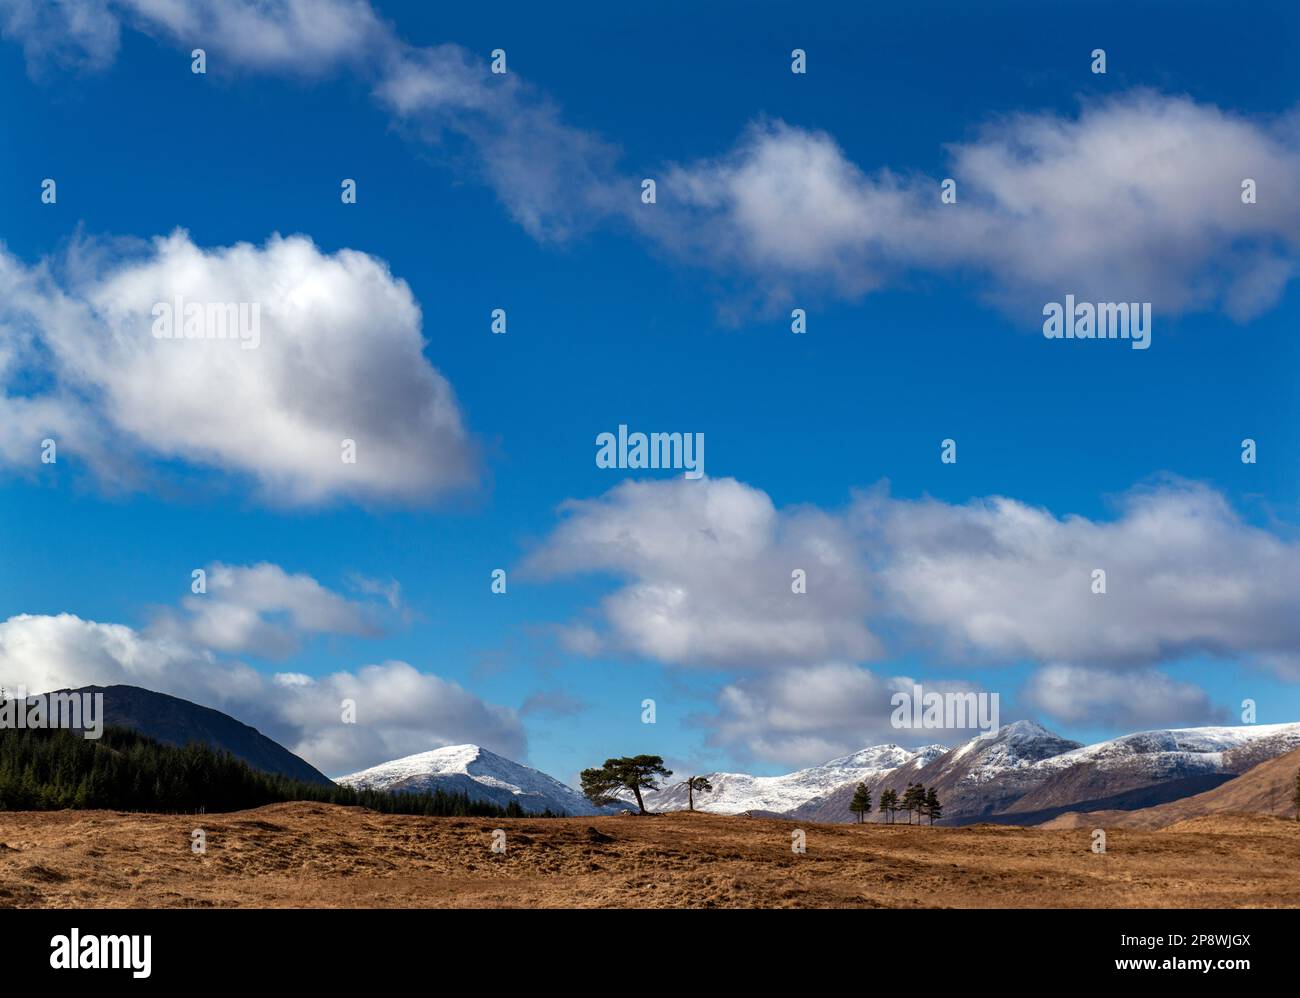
(925,328)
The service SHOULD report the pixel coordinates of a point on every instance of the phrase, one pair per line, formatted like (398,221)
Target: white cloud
(1001,579)
(556,180)
(263,610)
(1138,198)
(76,33)
(1133,699)
(400,710)
(703,572)
(786,206)
(708,568)
(299,36)
(340,358)
(805,716)
(553,178)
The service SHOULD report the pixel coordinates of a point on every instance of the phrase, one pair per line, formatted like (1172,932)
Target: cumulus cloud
(339,357)
(707,568)
(787,206)
(400,710)
(1137,198)
(263,610)
(1134,699)
(703,577)
(802,717)
(1001,579)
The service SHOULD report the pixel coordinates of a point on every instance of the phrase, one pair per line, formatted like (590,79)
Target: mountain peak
(1025,729)
(478,772)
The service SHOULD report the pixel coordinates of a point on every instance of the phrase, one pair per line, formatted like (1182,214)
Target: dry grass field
(313,855)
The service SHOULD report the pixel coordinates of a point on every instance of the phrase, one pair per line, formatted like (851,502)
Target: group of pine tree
(915,800)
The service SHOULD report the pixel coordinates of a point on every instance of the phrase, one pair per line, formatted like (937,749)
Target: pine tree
(889,804)
(861,802)
(695,783)
(913,800)
(933,806)
(636,773)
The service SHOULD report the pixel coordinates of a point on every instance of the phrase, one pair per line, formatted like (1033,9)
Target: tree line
(915,800)
(52,769)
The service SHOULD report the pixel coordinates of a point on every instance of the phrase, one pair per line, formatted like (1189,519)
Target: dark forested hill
(46,769)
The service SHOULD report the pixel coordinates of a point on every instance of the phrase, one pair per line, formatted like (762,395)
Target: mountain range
(1026,775)
(734,793)
(1267,788)
(482,774)
(1023,774)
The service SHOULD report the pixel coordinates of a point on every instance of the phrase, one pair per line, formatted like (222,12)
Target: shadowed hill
(174,721)
(1265,789)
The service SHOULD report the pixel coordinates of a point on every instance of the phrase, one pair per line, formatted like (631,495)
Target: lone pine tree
(695,783)
(861,802)
(636,773)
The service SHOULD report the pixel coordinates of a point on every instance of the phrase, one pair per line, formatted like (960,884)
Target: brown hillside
(1266,789)
(315,855)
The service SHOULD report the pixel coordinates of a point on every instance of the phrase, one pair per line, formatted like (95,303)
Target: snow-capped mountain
(1026,774)
(1018,745)
(1150,767)
(483,775)
(983,775)
(734,793)
(1212,749)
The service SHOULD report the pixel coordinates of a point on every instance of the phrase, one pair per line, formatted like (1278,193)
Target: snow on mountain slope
(482,774)
(1208,749)
(1026,774)
(737,792)
(1014,746)
(1149,767)
(981,775)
